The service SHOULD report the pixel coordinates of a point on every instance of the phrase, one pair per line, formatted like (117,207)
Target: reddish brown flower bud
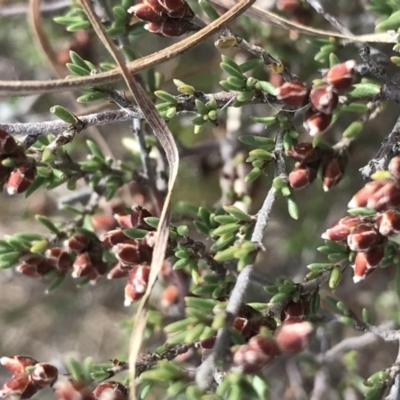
(388,223)
(83,266)
(304,153)
(77,243)
(394,167)
(21,178)
(150,11)
(34,266)
(207,343)
(294,94)
(292,336)
(170,27)
(340,76)
(119,271)
(114,237)
(363,238)
(289,6)
(138,214)
(302,176)
(243,326)
(19,386)
(136,284)
(127,253)
(17,364)
(364,263)
(8,144)
(157,11)
(254,355)
(295,311)
(44,374)
(170,296)
(123,220)
(339,231)
(177,9)
(324,99)
(316,122)
(58,258)
(332,172)
(378,195)
(110,390)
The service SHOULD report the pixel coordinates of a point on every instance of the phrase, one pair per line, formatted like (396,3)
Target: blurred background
(91,321)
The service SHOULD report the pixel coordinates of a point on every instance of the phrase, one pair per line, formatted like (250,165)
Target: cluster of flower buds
(133,255)
(17,170)
(165,17)
(382,194)
(291,337)
(366,237)
(308,160)
(323,99)
(82,255)
(28,376)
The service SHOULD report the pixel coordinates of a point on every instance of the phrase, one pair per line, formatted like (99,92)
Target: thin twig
(185,105)
(265,211)
(389,148)
(220,350)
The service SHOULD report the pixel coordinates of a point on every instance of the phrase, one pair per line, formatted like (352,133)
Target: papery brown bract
(177,9)
(341,229)
(316,122)
(324,99)
(44,374)
(34,266)
(302,176)
(254,355)
(170,27)
(388,223)
(114,237)
(8,145)
(19,386)
(293,94)
(119,271)
(341,76)
(365,262)
(146,12)
(363,237)
(127,253)
(21,178)
(110,390)
(78,243)
(379,195)
(332,172)
(58,258)
(138,214)
(83,266)
(136,284)
(292,336)
(304,153)
(295,311)
(17,364)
